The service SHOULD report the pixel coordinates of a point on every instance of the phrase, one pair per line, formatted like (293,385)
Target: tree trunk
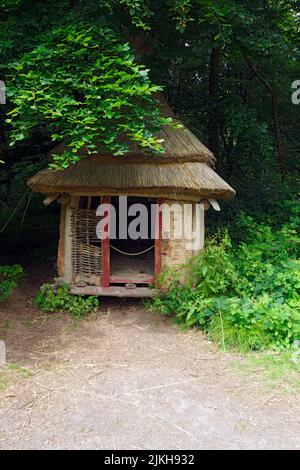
(214,76)
(278,137)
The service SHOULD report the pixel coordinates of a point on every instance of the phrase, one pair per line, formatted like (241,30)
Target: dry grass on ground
(124,378)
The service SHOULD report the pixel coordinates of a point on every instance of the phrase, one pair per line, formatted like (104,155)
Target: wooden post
(105,244)
(61,244)
(158,235)
(68,250)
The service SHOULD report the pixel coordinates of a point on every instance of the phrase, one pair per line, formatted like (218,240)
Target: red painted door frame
(105,244)
(158,236)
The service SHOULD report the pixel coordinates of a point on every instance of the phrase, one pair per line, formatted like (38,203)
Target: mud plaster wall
(176,246)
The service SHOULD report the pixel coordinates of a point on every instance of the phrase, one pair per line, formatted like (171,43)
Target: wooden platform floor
(114,291)
(126,269)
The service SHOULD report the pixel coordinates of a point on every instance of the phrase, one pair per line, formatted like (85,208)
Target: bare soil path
(123,378)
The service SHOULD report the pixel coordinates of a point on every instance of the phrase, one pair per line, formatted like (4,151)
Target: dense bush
(9,277)
(59,299)
(245,296)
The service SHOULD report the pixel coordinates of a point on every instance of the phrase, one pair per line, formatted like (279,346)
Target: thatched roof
(92,175)
(184,169)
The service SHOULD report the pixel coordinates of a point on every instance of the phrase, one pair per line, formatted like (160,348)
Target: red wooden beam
(105,243)
(158,235)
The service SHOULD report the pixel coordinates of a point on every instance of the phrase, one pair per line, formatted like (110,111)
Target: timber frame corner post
(64,256)
(105,246)
(61,243)
(158,236)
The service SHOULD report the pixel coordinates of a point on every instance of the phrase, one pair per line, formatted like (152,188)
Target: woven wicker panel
(86,258)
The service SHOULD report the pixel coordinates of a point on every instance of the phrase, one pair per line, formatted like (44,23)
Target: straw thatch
(91,175)
(184,169)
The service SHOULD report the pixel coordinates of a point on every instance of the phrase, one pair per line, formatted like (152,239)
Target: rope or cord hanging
(132,254)
(26,208)
(15,210)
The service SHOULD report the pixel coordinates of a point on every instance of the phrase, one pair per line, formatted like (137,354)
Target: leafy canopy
(78,82)
(72,76)
(87,88)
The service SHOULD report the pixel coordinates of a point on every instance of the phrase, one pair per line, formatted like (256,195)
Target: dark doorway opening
(133,260)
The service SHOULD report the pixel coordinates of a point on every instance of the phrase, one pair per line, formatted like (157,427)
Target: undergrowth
(58,299)
(9,278)
(245,295)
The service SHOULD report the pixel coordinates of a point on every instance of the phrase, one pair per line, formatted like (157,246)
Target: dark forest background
(226,67)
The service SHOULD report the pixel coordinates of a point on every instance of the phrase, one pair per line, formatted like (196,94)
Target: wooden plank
(114,291)
(50,198)
(68,273)
(105,252)
(132,279)
(61,243)
(124,270)
(128,192)
(158,235)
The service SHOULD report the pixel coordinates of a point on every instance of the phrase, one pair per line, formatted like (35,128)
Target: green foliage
(9,277)
(213,271)
(86,87)
(248,323)
(246,296)
(59,299)
(231,331)
(72,76)
(267,259)
(69,71)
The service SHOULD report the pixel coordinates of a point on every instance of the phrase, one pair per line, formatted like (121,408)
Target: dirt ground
(123,378)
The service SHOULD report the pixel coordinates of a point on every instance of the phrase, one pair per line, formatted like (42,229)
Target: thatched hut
(180,178)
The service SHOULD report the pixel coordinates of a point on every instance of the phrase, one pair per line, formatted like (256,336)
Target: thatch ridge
(186,167)
(180,145)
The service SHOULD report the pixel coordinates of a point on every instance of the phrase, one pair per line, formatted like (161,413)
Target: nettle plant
(84,87)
